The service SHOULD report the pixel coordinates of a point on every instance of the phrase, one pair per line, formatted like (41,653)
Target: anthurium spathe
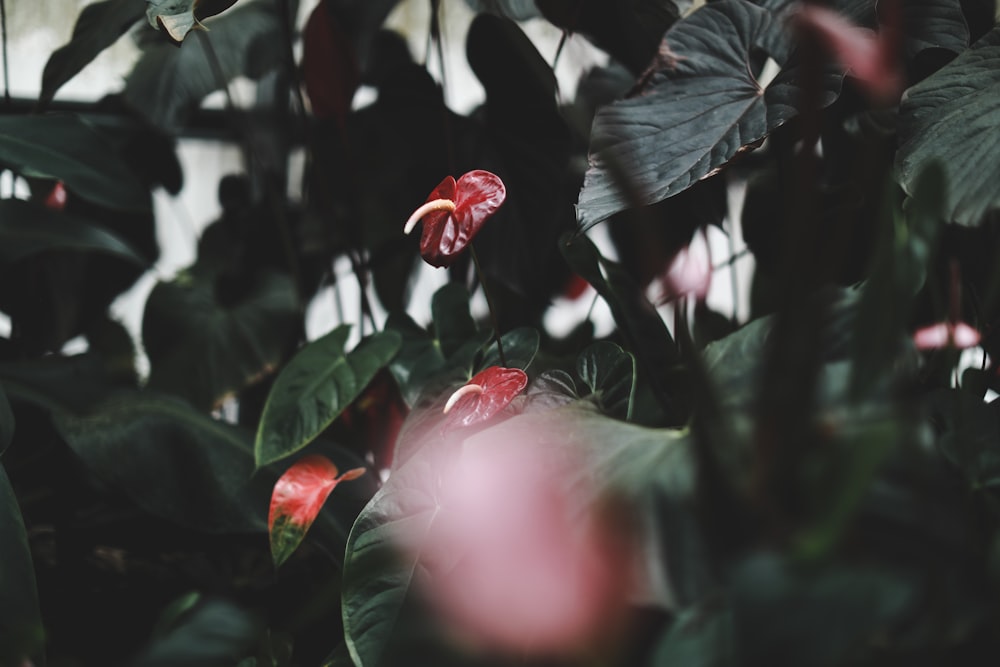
(485,395)
(454,213)
(298,496)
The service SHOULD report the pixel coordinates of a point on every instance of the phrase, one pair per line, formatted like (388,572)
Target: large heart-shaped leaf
(20,615)
(952,118)
(519,349)
(315,386)
(297,499)
(169,83)
(203,350)
(27,229)
(700,107)
(179,464)
(64,148)
(98,26)
(215,632)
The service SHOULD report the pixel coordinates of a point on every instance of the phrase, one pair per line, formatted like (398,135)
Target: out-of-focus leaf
(215,632)
(168,83)
(629,30)
(609,372)
(6,421)
(453,323)
(315,386)
(297,499)
(701,636)
(203,350)
(72,383)
(519,349)
(27,230)
(934,24)
(518,10)
(970,437)
(950,118)
(98,26)
(64,148)
(644,330)
(699,107)
(20,615)
(179,17)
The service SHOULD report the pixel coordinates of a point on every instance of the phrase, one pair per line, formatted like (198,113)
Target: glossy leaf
(297,499)
(519,348)
(20,615)
(484,396)
(699,108)
(27,230)
(6,421)
(65,148)
(203,349)
(168,83)
(98,26)
(609,372)
(950,118)
(476,196)
(315,387)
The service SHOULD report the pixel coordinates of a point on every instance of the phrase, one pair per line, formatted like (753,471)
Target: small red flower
(454,213)
(957,335)
(485,395)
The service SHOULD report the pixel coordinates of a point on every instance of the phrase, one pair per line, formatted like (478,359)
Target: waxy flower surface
(485,395)
(454,213)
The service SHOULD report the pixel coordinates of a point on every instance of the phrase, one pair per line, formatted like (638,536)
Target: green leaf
(609,371)
(519,349)
(453,322)
(20,615)
(27,229)
(65,148)
(934,24)
(203,349)
(315,387)
(215,632)
(6,421)
(700,107)
(168,83)
(951,118)
(644,330)
(419,360)
(98,26)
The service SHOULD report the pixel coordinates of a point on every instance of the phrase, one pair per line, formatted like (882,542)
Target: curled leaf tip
(433,205)
(465,390)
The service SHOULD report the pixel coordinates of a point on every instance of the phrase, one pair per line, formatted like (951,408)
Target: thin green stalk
(489,303)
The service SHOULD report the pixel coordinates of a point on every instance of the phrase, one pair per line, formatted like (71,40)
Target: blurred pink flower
(532,566)
(689,273)
(957,335)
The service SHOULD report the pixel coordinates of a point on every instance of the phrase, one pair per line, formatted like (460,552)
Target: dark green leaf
(934,24)
(53,382)
(970,436)
(519,349)
(609,371)
(27,229)
(64,148)
(701,636)
(168,83)
(6,421)
(700,107)
(98,26)
(214,633)
(646,334)
(518,10)
(315,387)
(20,616)
(419,359)
(951,118)
(453,322)
(203,350)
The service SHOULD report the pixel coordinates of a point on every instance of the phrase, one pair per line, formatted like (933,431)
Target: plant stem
(6,65)
(489,303)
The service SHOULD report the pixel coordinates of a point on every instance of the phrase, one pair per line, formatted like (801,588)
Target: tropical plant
(814,483)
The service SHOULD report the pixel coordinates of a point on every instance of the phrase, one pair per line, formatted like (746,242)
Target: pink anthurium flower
(454,213)
(298,497)
(485,395)
(956,335)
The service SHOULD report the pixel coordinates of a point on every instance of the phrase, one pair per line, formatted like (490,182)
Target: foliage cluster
(814,486)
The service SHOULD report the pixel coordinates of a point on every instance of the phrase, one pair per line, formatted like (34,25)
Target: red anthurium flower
(454,213)
(56,199)
(298,496)
(485,395)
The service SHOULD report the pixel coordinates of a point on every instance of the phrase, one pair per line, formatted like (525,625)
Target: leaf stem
(489,303)
(6,65)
